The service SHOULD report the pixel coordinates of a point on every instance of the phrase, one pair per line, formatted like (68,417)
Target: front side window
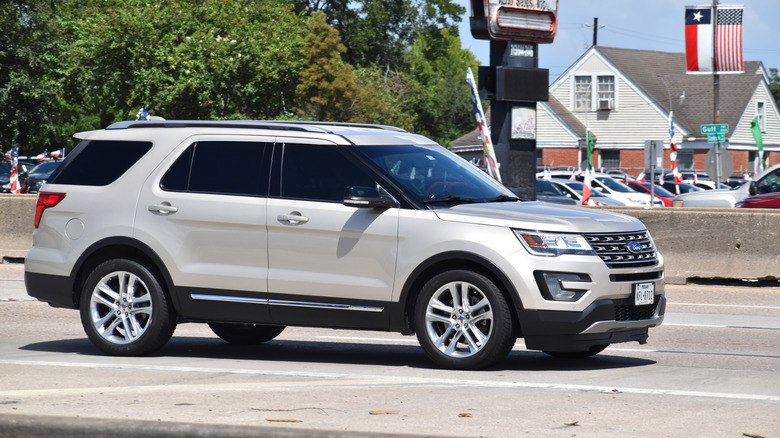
(582,93)
(319,173)
(769,183)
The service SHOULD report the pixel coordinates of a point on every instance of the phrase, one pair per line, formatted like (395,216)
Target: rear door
(203,212)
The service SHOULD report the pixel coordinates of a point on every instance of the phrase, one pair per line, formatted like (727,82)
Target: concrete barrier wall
(17,213)
(696,243)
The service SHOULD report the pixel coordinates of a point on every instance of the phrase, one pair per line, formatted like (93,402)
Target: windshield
(577,187)
(44,169)
(615,185)
(434,174)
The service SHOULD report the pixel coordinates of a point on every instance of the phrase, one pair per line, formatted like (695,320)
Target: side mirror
(368,197)
(752,188)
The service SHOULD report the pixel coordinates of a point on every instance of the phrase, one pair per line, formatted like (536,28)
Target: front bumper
(606,321)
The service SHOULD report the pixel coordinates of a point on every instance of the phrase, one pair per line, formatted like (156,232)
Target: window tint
(221,167)
(99,163)
(319,173)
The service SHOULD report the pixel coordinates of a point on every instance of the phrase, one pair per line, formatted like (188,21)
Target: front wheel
(463,321)
(124,309)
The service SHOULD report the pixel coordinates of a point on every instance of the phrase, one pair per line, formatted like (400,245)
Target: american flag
(728,39)
(14,182)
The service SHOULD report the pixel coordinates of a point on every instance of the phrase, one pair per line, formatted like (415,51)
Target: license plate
(644,293)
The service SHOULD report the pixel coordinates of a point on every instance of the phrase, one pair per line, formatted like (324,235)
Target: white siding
(550,132)
(771,137)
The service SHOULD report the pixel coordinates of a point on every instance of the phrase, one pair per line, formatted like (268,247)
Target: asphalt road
(711,370)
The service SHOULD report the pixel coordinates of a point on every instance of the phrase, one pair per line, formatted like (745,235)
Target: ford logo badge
(634,247)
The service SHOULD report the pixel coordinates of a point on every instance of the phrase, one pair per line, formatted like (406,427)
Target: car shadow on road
(281,350)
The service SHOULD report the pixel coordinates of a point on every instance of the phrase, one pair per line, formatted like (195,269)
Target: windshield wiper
(503,198)
(452,200)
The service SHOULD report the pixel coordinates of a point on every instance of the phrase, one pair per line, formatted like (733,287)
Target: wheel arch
(119,247)
(402,321)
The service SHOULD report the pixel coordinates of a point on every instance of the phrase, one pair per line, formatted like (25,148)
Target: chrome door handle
(164,208)
(293,218)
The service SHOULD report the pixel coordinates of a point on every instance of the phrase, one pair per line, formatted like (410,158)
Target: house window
(539,157)
(761,113)
(606,96)
(610,158)
(582,93)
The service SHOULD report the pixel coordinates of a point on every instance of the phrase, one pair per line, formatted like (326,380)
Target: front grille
(613,248)
(627,312)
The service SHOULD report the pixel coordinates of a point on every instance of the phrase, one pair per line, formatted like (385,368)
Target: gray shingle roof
(654,71)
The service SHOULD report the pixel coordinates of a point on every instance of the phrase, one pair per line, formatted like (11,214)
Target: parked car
(22,172)
(39,174)
(768,200)
(609,187)
(767,182)
(574,190)
(661,193)
(547,191)
(671,187)
(333,225)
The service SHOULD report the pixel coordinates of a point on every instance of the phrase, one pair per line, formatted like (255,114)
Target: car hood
(714,198)
(539,216)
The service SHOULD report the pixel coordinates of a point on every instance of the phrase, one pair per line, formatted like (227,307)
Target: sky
(638,24)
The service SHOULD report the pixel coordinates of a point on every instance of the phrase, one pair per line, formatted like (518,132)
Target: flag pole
(715,88)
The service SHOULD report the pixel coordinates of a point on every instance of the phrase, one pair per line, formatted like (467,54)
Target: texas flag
(698,39)
(713,39)
(58,154)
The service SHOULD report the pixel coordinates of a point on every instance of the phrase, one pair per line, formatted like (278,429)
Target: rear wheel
(245,334)
(463,321)
(124,310)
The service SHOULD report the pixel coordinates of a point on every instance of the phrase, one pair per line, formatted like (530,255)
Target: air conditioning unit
(605,104)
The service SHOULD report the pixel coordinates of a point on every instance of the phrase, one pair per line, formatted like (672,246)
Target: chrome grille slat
(613,249)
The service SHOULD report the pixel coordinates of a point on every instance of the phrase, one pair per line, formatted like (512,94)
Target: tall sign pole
(513,82)
(715,90)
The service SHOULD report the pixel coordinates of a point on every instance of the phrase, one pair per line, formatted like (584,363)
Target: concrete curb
(22,426)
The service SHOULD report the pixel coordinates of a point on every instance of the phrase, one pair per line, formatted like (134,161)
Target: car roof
(355,133)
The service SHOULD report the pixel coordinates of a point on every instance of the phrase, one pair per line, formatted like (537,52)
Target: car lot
(710,370)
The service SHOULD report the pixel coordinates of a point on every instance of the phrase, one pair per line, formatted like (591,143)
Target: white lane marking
(337,380)
(733,306)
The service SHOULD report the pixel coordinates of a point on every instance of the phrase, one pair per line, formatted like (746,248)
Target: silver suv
(252,226)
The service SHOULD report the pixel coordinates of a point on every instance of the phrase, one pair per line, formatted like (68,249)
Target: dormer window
(588,99)
(583,93)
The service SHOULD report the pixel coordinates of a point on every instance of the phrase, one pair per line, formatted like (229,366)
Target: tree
(774,85)
(328,89)
(441,98)
(25,98)
(188,60)
(382,32)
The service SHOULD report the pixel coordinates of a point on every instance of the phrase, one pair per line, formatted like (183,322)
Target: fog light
(562,286)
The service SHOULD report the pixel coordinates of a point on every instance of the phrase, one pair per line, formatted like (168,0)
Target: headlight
(553,244)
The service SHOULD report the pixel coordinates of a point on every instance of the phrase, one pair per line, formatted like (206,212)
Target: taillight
(46,200)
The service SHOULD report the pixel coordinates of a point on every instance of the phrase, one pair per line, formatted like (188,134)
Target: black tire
(245,334)
(124,309)
(463,336)
(592,351)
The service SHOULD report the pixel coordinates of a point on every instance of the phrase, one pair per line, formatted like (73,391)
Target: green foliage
(774,85)
(75,65)
(328,88)
(442,98)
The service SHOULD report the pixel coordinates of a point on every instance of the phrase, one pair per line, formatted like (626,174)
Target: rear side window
(221,167)
(99,162)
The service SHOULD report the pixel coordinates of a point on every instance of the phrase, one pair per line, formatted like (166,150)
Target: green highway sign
(721,128)
(716,138)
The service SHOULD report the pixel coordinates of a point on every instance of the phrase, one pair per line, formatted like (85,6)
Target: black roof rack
(302,126)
